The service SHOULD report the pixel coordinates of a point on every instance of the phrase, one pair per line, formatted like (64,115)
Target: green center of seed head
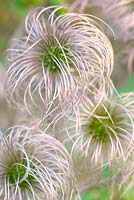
(55,57)
(100,126)
(18,171)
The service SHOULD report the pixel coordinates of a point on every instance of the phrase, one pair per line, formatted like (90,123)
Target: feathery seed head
(34,166)
(105,132)
(121,16)
(57,51)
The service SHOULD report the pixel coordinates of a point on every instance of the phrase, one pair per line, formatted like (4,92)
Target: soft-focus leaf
(129,87)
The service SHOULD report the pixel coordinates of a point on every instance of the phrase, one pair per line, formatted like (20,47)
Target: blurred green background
(12,14)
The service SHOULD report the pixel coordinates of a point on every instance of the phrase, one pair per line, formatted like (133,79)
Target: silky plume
(57,51)
(103,130)
(34,166)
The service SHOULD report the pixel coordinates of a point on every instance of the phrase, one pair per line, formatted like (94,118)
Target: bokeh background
(12,15)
